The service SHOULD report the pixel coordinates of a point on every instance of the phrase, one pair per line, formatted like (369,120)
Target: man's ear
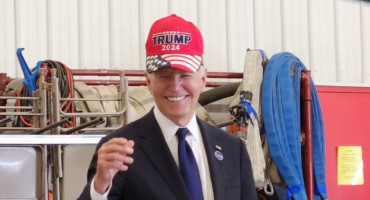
(148,82)
(204,79)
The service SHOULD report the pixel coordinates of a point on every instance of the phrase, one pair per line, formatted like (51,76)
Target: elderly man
(170,153)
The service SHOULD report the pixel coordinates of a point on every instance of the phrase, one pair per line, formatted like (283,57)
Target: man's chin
(179,117)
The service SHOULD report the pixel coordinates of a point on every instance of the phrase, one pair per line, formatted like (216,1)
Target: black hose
(96,121)
(218,93)
(6,120)
(62,75)
(51,126)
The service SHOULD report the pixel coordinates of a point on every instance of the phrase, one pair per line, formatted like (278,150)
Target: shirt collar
(169,128)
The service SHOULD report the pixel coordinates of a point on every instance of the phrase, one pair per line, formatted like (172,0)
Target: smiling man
(170,153)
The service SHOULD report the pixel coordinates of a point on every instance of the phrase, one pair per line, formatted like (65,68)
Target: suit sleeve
(85,195)
(247,182)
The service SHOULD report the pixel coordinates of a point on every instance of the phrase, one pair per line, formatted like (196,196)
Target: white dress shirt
(195,141)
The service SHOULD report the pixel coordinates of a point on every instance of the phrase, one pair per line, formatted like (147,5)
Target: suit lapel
(211,143)
(152,142)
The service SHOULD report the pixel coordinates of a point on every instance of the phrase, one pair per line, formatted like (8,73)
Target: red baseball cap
(174,42)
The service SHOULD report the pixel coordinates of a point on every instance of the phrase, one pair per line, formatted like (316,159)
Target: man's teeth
(176,98)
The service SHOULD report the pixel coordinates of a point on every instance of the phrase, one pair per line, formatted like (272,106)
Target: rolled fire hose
(86,92)
(252,81)
(281,111)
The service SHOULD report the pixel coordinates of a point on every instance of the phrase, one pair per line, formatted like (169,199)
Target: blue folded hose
(281,112)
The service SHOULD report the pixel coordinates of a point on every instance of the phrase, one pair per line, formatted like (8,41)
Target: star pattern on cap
(153,63)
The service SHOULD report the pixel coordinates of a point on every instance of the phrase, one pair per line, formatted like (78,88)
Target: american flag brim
(189,63)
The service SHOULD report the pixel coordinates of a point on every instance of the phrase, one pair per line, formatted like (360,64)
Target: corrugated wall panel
(30,31)
(322,40)
(268,26)
(7,38)
(124,40)
(295,29)
(365,38)
(94,37)
(214,33)
(240,34)
(331,37)
(62,30)
(348,43)
(188,8)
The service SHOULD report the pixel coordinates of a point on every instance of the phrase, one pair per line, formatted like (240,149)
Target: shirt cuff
(97,196)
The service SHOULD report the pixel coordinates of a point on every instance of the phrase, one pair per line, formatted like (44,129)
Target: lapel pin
(218,147)
(219,155)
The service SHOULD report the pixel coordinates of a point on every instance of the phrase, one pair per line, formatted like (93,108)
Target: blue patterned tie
(188,166)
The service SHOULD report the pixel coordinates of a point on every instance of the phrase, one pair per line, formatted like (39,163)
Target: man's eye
(163,77)
(186,75)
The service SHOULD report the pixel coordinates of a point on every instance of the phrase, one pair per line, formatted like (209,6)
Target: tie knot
(181,133)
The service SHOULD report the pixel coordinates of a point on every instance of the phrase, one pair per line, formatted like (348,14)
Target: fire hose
(281,110)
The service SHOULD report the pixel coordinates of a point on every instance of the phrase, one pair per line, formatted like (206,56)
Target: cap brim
(188,63)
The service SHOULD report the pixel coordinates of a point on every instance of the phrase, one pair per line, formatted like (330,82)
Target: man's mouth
(174,99)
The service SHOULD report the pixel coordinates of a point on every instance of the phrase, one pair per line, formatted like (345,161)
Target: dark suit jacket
(154,174)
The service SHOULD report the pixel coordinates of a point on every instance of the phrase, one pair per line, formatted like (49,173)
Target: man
(145,159)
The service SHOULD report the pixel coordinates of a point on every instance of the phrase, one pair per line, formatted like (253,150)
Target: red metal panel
(346,113)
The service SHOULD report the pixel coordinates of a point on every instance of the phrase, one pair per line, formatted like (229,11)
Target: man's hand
(113,156)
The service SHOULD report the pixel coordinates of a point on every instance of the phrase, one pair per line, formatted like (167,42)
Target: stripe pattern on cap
(190,62)
(181,61)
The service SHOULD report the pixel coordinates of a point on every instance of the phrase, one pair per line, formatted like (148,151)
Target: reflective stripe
(293,190)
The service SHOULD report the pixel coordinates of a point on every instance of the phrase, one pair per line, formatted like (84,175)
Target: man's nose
(175,82)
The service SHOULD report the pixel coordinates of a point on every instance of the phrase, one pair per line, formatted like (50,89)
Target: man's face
(176,92)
